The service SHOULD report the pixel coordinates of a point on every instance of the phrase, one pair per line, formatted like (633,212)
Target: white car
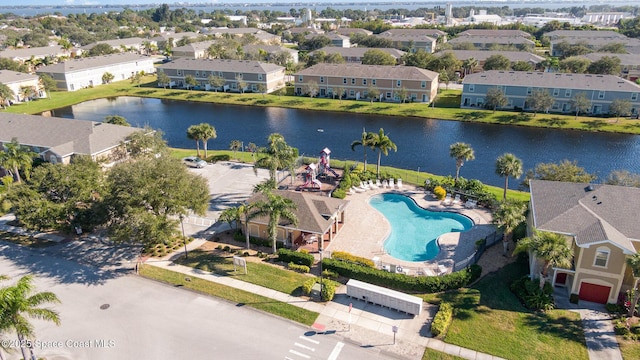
(194,162)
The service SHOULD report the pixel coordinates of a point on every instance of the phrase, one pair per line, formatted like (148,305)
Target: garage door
(594,293)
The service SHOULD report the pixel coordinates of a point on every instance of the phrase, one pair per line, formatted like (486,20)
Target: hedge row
(328,288)
(239,237)
(442,319)
(402,282)
(345,256)
(299,268)
(299,258)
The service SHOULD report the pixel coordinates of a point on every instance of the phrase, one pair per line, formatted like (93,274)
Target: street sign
(394,329)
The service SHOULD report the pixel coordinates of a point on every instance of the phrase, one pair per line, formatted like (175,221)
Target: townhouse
(253,74)
(391,82)
(134,44)
(591,39)
(482,55)
(25,87)
(410,40)
(629,64)
(354,55)
(600,90)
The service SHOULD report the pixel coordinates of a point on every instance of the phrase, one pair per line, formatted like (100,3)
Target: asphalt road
(111,315)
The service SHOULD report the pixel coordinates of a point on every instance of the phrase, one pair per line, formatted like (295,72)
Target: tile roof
(87,63)
(515,40)
(593,213)
(625,59)
(482,55)
(117,42)
(393,36)
(414,32)
(8,77)
(369,71)
(63,136)
(358,51)
(349,31)
(584,34)
(245,66)
(491,33)
(34,51)
(313,211)
(552,80)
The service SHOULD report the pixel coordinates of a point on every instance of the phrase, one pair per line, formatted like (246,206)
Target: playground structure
(313,171)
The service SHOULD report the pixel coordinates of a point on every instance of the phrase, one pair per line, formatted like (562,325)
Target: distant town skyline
(194,2)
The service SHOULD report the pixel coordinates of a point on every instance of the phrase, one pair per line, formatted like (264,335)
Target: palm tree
(550,247)
(382,143)
(634,263)
(508,165)
(278,155)
(235,145)
(6,94)
(365,141)
(193,133)
(230,215)
(247,211)
(17,301)
(207,132)
(275,207)
(461,152)
(507,217)
(16,157)
(468,65)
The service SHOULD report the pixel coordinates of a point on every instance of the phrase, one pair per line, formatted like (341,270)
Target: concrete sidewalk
(366,324)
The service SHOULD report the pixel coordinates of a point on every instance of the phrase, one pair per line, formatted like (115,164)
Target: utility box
(384,297)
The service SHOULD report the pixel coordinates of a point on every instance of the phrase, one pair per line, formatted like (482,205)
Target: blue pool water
(414,230)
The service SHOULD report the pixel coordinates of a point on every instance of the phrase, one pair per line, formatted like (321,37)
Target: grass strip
(430,354)
(234,295)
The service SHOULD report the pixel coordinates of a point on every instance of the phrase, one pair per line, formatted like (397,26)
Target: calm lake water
(422,143)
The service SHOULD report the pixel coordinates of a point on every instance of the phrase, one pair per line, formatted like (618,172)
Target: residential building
(355,54)
(599,223)
(629,64)
(350,31)
(601,90)
(58,140)
(134,44)
(16,81)
(410,39)
(540,20)
(495,33)
(336,39)
(261,35)
(487,39)
(194,50)
(273,52)
(592,39)
(319,218)
(40,53)
(253,73)
(80,73)
(304,31)
(172,38)
(482,55)
(420,85)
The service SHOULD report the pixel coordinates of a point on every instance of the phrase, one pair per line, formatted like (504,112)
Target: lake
(422,143)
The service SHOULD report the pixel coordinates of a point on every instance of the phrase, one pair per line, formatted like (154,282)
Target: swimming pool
(414,230)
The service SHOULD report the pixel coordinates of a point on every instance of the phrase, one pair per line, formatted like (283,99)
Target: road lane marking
(336,351)
(309,339)
(304,347)
(300,354)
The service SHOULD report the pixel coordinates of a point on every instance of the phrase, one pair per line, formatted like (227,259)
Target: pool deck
(365,230)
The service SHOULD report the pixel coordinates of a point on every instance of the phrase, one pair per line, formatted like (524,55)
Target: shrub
(529,293)
(246,253)
(339,194)
(328,289)
(299,268)
(345,256)
(308,285)
(221,157)
(442,320)
(329,274)
(299,258)
(226,248)
(402,282)
(620,327)
(439,192)
(613,308)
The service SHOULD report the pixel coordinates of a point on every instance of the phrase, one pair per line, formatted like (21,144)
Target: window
(414,96)
(352,93)
(602,257)
(567,93)
(220,73)
(388,95)
(364,81)
(529,91)
(634,96)
(259,76)
(197,73)
(300,78)
(601,94)
(472,88)
(399,83)
(373,82)
(423,84)
(344,80)
(556,92)
(321,79)
(179,72)
(298,91)
(353,81)
(239,75)
(254,88)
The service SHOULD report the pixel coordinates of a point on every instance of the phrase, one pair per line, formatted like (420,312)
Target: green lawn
(240,297)
(490,319)
(285,281)
(430,354)
(630,349)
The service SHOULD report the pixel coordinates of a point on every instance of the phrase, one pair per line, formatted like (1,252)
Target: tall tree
(633,262)
(495,98)
(372,93)
(623,178)
(565,170)
(6,95)
(194,133)
(508,165)
(234,146)
(377,57)
(620,107)
(507,217)
(550,247)
(207,132)
(18,303)
(48,83)
(580,102)
(539,100)
(16,157)
(461,152)
(607,65)
(469,65)
(382,143)
(278,155)
(365,142)
(276,207)
(107,77)
(497,62)
(163,79)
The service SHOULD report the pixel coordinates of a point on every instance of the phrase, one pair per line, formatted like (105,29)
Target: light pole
(418,176)
(186,254)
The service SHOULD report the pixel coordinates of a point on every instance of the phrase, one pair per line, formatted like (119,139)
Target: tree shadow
(554,121)
(295,102)
(470,116)
(560,327)
(175,93)
(263,101)
(146,92)
(633,126)
(322,104)
(594,124)
(196,95)
(513,118)
(355,106)
(409,112)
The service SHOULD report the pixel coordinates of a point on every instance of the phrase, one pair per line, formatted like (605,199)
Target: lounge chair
(447,200)
(457,199)
(428,272)
(385,184)
(390,184)
(357,189)
(378,184)
(399,184)
(442,270)
(351,191)
(471,204)
(364,186)
(372,185)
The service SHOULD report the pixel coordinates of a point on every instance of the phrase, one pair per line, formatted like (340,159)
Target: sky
(135,2)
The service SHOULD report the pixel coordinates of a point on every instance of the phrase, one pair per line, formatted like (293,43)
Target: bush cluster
(530,294)
(299,258)
(345,185)
(621,326)
(473,187)
(439,192)
(442,320)
(216,158)
(402,282)
(299,268)
(345,256)
(239,237)
(328,288)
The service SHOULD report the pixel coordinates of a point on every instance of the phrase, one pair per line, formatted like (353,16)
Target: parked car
(194,162)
